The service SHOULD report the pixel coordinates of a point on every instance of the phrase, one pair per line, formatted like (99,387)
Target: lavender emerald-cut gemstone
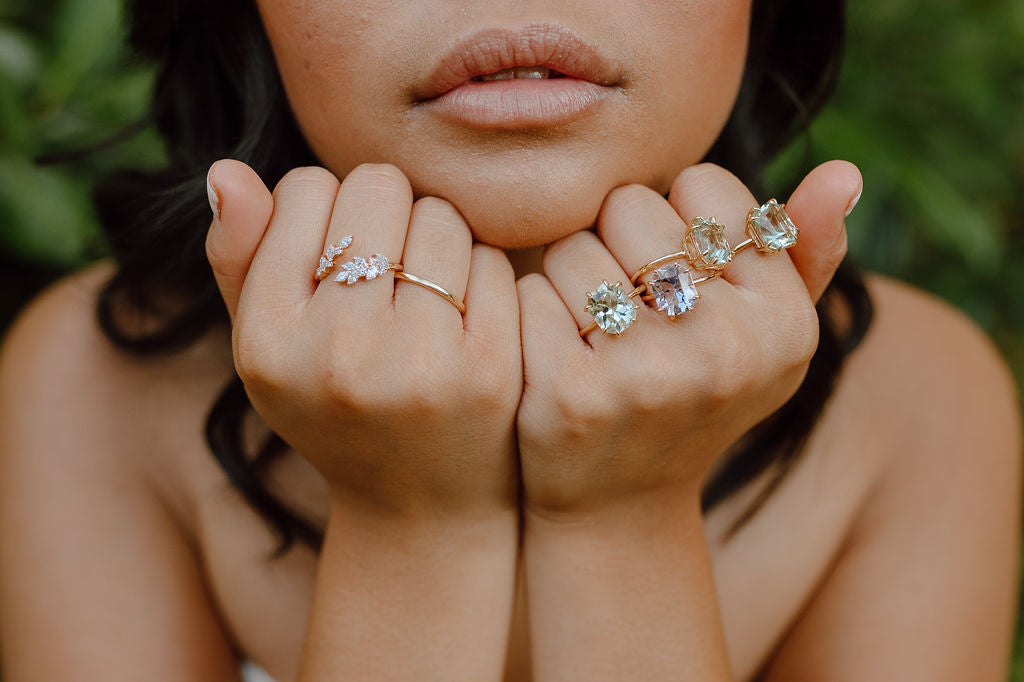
(673,289)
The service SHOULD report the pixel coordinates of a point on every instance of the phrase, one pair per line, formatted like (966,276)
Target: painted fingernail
(853,202)
(212,195)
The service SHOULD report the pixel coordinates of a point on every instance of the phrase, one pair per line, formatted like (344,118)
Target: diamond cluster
(770,227)
(359,267)
(611,307)
(332,252)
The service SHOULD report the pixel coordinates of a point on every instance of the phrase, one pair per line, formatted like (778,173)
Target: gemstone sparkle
(611,307)
(673,289)
(771,228)
(706,245)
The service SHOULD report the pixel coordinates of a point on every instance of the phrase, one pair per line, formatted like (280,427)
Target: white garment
(253,673)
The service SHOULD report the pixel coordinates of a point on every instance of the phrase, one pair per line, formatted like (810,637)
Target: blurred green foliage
(66,84)
(930,106)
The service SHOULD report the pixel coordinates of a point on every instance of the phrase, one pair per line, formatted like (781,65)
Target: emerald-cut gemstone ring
(706,245)
(672,287)
(770,228)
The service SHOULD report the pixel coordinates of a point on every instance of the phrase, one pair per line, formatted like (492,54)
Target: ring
(706,246)
(770,228)
(430,286)
(613,309)
(330,253)
(672,287)
(365,268)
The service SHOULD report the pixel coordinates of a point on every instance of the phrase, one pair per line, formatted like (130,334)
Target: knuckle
(652,391)
(255,363)
(698,179)
(626,204)
(808,328)
(381,181)
(437,219)
(735,366)
(219,255)
(493,384)
(832,259)
(307,180)
(626,198)
(797,335)
(567,249)
(580,411)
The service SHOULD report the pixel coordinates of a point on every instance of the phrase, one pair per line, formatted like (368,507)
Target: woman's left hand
(607,421)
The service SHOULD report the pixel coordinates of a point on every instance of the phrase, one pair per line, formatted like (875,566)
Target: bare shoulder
(927,578)
(96,574)
(932,376)
(59,373)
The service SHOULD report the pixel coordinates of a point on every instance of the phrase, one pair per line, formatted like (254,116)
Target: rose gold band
(437,289)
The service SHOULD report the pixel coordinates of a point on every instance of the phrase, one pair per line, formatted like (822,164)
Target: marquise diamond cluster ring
(363,268)
(672,286)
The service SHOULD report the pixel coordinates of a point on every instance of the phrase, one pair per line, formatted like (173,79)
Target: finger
(548,331)
(242,207)
(437,249)
(373,206)
(819,207)
(578,264)
(638,227)
(710,191)
(284,264)
(492,307)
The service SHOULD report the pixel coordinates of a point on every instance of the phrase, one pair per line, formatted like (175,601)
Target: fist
(610,420)
(403,404)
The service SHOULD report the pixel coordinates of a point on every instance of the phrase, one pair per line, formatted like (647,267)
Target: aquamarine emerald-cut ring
(770,228)
(706,246)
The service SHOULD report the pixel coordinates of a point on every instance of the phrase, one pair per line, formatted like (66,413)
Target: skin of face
(351,70)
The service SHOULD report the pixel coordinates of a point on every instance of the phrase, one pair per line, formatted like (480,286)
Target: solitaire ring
(672,287)
(770,228)
(613,309)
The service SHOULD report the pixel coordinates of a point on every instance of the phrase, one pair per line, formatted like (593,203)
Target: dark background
(930,106)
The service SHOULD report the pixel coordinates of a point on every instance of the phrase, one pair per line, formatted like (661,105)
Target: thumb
(242,206)
(819,207)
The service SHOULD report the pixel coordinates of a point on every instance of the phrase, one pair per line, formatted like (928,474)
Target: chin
(523,215)
(522,205)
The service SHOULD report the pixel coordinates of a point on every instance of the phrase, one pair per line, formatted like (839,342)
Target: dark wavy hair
(218,94)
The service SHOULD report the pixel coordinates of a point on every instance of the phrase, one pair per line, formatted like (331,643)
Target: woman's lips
(519,102)
(586,78)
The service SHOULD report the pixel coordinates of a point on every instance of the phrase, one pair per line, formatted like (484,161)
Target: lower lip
(520,102)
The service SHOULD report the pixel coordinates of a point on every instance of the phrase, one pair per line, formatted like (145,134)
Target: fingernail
(853,202)
(211,193)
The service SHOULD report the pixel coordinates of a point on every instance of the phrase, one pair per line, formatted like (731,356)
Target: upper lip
(548,45)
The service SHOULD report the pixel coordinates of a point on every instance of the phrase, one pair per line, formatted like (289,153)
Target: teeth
(518,72)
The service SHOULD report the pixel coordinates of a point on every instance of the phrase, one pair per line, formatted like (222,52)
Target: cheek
(332,58)
(693,83)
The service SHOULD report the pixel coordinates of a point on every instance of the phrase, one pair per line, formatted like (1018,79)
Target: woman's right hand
(405,406)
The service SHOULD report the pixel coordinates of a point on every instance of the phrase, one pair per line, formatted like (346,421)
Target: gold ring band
(430,286)
(655,263)
(743,245)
